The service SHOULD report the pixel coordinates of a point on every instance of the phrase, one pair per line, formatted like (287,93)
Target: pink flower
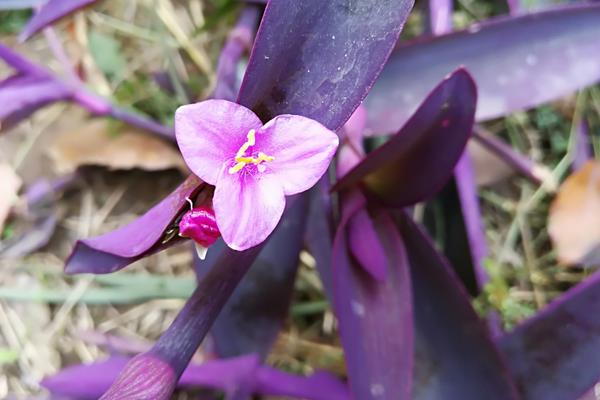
(253,166)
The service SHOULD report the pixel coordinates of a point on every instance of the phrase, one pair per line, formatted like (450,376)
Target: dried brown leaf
(95,144)
(9,187)
(574,222)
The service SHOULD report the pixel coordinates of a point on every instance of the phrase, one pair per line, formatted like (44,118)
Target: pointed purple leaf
(556,354)
(365,246)
(319,58)
(455,356)
(375,317)
(51,12)
(517,62)
(412,165)
(253,316)
(117,249)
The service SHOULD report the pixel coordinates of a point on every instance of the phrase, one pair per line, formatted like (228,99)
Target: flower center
(242,160)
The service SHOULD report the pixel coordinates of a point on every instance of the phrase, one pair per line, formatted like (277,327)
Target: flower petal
(302,149)
(248,207)
(211,132)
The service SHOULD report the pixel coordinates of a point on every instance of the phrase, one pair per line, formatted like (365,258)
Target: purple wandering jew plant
(406,322)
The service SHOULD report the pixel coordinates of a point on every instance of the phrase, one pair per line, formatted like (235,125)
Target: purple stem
(466,186)
(582,152)
(141,121)
(238,42)
(43,190)
(180,341)
(519,162)
(514,6)
(96,104)
(469,203)
(440,16)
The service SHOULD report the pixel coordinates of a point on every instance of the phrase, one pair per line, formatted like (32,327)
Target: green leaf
(8,356)
(107,53)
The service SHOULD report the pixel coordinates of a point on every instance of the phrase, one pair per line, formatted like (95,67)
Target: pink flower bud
(200,225)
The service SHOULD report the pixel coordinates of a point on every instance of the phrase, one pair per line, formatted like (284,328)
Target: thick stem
(181,340)
(142,122)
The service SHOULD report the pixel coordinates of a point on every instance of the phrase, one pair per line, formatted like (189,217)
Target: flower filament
(242,160)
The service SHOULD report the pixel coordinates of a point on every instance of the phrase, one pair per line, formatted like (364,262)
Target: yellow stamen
(237,167)
(242,160)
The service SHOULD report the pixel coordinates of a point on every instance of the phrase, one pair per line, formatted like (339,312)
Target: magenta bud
(200,225)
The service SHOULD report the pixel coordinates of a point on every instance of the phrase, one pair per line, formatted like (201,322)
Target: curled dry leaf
(95,143)
(9,186)
(574,223)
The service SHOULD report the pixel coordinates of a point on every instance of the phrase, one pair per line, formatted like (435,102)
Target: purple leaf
(365,246)
(412,165)
(51,12)
(117,249)
(253,316)
(556,354)
(455,356)
(84,382)
(319,58)
(375,317)
(517,62)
